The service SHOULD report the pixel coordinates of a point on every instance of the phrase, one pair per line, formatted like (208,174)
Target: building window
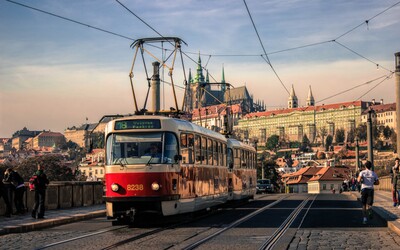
(323,186)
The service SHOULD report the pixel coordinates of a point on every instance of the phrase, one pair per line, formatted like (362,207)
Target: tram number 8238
(134,187)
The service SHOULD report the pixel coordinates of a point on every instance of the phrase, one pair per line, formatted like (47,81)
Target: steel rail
(232,225)
(270,243)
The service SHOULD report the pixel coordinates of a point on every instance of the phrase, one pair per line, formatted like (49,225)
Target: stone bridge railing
(385,183)
(64,194)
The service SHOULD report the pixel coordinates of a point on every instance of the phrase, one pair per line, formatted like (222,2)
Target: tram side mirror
(177,158)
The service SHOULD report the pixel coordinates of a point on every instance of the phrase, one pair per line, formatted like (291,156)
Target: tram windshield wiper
(148,163)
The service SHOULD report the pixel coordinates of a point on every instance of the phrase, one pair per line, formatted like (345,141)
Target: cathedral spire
(223,85)
(199,76)
(190,80)
(310,98)
(292,102)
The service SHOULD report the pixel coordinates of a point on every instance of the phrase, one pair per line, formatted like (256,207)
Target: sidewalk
(25,223)
(383,207)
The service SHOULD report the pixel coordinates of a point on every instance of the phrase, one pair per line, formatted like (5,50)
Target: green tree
(328,142)
(53,165)
(97,140)
(322,132)
(361,132)
(305,144)
(339,135)
(351,136)
(272,142)
(387,132)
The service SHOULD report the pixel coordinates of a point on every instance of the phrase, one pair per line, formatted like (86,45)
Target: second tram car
(169,166)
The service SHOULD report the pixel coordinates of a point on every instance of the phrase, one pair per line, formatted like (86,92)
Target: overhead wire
(265,52)
(386,78)
(70,20)
(223,55)
(352,88)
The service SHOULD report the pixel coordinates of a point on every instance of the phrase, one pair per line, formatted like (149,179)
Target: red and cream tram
(171,166)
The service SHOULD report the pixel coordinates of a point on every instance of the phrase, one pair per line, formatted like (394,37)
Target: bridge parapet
(64,194)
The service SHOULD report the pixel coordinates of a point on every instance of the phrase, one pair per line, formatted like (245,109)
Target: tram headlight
(155,186)
(115,187)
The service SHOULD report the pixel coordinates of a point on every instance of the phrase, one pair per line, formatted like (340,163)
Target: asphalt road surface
(271,221)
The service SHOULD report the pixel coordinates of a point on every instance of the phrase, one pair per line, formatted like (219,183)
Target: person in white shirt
(368,179)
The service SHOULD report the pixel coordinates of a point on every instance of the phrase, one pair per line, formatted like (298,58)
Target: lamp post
(397,74)
(370,137)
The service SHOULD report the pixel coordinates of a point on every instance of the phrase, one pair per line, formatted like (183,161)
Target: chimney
(373,101)
(155,87)
(381,101)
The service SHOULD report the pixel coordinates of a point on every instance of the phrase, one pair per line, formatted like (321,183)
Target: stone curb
(40,224)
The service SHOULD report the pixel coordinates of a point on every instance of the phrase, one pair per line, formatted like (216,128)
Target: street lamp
(397,75)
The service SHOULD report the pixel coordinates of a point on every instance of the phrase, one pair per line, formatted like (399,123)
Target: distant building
(215,117)
(47,139)
(80,135)
(298,182)
(92,166)
(202,93)
(19,137)
(328,180)
(293,123)
(385,114)
(5,146)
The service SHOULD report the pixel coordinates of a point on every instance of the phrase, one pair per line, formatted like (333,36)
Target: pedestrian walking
(393,172)
(8,188)
(4,195)
(39,181)
(19,191)
(368,179)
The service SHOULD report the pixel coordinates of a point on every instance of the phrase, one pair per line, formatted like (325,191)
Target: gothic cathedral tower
(292,102)
(310,98)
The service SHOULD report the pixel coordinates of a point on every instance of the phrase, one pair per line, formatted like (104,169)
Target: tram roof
(238,144)
(178,124)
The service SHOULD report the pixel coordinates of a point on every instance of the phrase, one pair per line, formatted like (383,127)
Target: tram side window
(197,148)
(230,157)
(220,154)
(187,148)
(237,158)
(215,151)
(224,154)
(210,151)
(242,159)
(204,149)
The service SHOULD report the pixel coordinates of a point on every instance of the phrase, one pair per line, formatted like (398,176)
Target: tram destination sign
(138,124)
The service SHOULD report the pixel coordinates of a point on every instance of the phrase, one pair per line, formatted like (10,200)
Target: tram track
(270,243)
(147,234)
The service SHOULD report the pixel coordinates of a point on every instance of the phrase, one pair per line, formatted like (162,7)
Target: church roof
(237,94)
(308,108)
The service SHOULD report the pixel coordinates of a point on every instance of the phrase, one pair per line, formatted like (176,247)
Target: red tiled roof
(215,111)
(331,174)
(304,109)
(381,108)
(49,133)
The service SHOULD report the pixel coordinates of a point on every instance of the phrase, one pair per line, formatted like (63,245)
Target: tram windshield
(141,148)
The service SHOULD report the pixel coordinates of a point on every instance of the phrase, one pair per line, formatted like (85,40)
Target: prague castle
(294,122)
(201,93)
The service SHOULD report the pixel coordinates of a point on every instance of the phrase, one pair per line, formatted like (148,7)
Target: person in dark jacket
(3,193)
(19,191)
(40,193)
(8,190)
(393,172)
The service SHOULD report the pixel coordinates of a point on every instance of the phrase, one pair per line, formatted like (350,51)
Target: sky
(57,73)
